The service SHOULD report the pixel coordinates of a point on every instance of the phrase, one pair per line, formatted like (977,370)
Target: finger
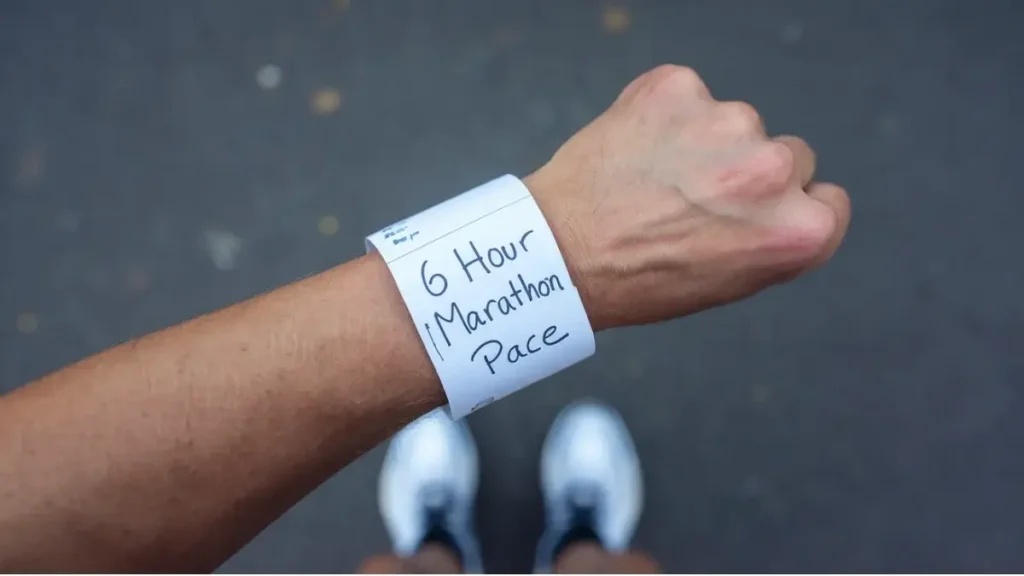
(803,159)
(836,199)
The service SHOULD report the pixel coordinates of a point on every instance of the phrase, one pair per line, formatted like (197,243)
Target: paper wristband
(490,295)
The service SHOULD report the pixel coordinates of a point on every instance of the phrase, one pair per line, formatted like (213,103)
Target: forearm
(170,452)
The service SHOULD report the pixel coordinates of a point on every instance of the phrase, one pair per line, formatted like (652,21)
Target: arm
(171,452)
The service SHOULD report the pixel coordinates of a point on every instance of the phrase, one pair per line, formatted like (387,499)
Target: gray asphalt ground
(866,417)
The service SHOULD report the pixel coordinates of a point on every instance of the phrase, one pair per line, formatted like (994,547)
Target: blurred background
(162,159)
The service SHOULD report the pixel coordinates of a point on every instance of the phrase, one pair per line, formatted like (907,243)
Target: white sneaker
(591,479)
(428,486)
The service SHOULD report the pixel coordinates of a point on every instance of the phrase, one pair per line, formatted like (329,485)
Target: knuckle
(762,174)
(825,222)
(676,81)
(741,117)
(817,230)
(777,162)
(807,235)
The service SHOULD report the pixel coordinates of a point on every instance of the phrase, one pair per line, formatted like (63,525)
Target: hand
(672,202)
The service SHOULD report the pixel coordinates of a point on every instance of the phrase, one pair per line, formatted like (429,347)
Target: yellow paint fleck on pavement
(615,19)
(325,101)
(327,225)
(26,323)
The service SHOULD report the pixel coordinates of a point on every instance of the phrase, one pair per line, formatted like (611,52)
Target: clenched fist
(671,202)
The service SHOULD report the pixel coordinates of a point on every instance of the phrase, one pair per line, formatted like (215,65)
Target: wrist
(555,204)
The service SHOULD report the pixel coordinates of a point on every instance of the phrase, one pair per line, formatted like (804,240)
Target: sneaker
(428,486)
(591,480)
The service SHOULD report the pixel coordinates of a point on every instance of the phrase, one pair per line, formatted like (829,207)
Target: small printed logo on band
(399,233)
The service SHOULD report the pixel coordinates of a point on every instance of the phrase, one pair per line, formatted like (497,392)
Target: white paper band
(486,286)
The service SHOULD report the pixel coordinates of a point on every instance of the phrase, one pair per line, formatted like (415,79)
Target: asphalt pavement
(162,159)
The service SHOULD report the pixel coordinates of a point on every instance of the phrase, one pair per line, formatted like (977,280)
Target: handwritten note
(486,285)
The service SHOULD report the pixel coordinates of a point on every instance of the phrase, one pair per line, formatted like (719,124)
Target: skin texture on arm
(170,452)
